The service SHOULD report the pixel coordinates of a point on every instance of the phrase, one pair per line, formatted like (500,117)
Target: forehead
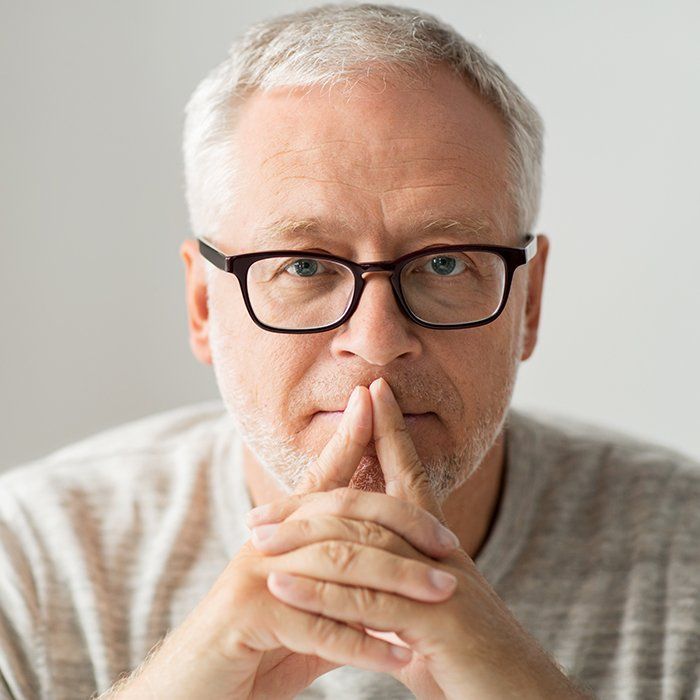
(380,163)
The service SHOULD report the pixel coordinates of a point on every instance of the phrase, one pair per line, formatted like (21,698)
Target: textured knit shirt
(108,543)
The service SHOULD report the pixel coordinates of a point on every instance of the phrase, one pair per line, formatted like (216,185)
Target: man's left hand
(467,646)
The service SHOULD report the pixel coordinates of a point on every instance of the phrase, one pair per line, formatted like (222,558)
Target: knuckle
(322,592)
(402,429)
(419,475)
(344,438)
(418,483)
(306,506)
(343,499)
(311,479)
(304,528)
(324,631)
(365,598)
(364,646)
(373,534)
(340,554)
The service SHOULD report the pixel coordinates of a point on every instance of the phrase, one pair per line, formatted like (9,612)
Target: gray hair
(331,45)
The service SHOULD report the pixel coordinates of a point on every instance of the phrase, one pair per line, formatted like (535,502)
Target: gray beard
(288,465)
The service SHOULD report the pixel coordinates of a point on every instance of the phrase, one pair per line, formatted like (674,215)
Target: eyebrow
(477,229)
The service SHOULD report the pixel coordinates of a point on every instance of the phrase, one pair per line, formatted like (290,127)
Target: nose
(378,331)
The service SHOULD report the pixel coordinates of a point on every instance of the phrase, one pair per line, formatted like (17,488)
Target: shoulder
(111,470)
(98,536)
(610,565)
(565,438)
(608,475)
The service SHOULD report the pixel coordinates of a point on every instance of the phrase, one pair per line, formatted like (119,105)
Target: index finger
(339,459)
(404,473)
(420,528)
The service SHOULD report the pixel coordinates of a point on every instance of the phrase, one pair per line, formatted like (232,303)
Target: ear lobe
(533,305)
(196,301)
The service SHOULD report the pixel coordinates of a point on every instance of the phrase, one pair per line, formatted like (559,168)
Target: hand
(466,646)
(242,642)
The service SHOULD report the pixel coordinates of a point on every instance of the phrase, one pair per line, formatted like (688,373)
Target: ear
(196,299)
(535,269)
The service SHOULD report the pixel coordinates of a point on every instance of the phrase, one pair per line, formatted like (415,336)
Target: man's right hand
(242,642)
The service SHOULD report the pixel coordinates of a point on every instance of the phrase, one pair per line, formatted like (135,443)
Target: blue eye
(445,265)
(304,267)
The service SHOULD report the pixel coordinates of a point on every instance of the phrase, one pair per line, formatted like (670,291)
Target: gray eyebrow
(288,229)
(478,227)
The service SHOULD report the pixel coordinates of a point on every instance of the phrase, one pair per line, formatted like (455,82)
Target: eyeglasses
(440,287)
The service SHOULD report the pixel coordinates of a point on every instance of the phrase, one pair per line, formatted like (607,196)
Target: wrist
(549,682)
(179,668)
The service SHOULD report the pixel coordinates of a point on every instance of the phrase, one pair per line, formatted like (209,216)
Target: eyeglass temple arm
(213,255)
(530,247)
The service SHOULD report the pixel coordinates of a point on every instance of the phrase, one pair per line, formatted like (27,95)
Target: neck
(469,510)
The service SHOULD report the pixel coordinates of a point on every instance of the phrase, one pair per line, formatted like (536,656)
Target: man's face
(380,160)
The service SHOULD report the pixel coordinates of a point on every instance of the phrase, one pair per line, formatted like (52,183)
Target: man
(367,416)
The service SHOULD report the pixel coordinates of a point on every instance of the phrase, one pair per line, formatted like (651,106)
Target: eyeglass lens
(299,293)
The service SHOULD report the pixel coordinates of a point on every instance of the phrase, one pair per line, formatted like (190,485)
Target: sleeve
(21,645)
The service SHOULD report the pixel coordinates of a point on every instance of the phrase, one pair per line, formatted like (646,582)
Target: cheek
(265,371)
(272,373)
(483,366)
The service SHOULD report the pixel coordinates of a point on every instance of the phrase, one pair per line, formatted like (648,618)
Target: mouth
(410,418)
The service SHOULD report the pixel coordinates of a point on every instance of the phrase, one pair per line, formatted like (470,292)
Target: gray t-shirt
(108,543)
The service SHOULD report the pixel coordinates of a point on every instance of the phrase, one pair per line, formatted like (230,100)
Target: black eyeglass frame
(238,265)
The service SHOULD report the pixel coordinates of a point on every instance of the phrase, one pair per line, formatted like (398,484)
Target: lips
(407,413)
(408,417)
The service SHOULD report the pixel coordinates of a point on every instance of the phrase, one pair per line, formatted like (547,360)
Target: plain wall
(93,318)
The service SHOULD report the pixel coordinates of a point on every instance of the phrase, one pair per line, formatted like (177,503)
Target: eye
(304,267)
(445,265)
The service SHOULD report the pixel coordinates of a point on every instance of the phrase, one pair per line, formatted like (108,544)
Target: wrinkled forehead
(386,161)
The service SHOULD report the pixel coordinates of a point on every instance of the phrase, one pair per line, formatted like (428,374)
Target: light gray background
(92,215)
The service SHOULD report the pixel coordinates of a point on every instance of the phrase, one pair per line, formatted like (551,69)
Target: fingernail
(264,532)
(281,579)
(441,580)
(350,407)
(384,390)
(355,407)
(447,538)
(352,401)
(400,653)
(377,384)
(257,515)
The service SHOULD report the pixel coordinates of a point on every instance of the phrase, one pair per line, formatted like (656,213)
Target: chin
(368,476)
